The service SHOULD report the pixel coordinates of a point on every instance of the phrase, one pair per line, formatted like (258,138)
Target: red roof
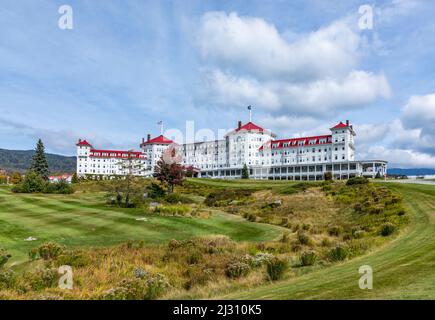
(340,125)
(83,143)
(296,142)
(250,126)
(159,140)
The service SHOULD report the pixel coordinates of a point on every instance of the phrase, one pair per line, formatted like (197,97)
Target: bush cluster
(33,183)
(387,229)
(357,181)
(237,269)
(308,258)
(276,268)
(338,253)
(225,196)
(46,251)
(138,288)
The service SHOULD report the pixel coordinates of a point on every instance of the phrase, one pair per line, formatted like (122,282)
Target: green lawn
(403,269)
(82,219)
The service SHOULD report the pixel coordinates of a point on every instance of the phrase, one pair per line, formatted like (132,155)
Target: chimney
(143,140)
(80,140)
(347,122)
(148,137)
(239,124)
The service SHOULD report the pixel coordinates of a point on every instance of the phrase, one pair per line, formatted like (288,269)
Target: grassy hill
(83,220)
(19,160)
(403,269)
(403,264)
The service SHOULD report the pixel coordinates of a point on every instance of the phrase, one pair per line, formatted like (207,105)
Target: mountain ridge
(19,160)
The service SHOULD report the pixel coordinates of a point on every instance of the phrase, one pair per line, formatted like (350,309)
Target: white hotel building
(306,158)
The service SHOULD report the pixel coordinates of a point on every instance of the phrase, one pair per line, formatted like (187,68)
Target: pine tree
(39,161)
(245,172)
(74,178)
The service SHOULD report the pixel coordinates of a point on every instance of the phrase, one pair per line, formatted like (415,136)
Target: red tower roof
(340,125)
(250,126)
(159,140)
(83,143)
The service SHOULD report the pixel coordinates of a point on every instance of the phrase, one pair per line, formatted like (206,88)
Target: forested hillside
(19,160)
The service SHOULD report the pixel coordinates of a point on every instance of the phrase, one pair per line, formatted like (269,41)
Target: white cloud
(227,90)
(403,158)
(258,47)
(315,75)
(317,98)
(294,126)
(419,115)
(419,112)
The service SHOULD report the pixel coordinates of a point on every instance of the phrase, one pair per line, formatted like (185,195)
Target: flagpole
(250,113)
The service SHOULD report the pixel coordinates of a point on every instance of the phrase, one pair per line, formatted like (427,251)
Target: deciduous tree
(168,170)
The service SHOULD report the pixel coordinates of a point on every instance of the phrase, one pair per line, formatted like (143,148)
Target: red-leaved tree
(168,169)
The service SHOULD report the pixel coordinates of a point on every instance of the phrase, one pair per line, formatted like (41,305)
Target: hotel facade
(306,158)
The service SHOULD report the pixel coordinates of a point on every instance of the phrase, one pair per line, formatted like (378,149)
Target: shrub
(308,258)
(327,176)
(194,257)
(32,182)
(285,237)
(197,276)
(47,251)
(173,210)
(156,285)
(174,244)
(177,198)
(303,239)
(7,279)
(155,191)
(73,258)
(357,181)
(401,212)
(42,278)
(338,253)
(261,258)
(237,269)
(276,268)
(147,288)
(61,187)
(325,242)
(4,257)
(335,231)
(223,197)
(387,229)
(251,217)
(358,234)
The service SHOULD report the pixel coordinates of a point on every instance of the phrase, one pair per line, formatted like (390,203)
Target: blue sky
(302,65)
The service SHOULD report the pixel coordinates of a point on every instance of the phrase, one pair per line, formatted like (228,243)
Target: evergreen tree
(245,172)
(39,161)
(74,178)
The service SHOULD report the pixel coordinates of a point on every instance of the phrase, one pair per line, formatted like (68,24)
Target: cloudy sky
(302,65)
